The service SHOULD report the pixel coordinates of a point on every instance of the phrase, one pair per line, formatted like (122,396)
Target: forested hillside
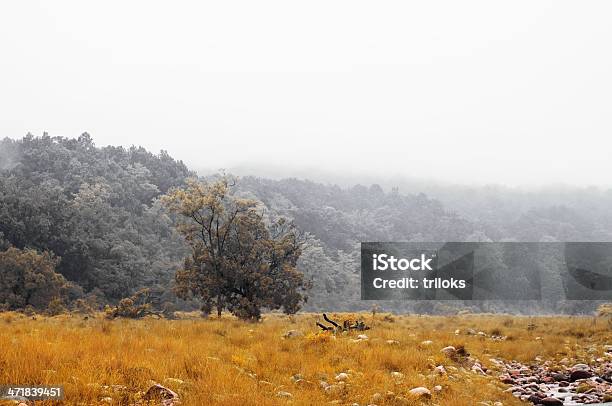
(95,215)
(96,209)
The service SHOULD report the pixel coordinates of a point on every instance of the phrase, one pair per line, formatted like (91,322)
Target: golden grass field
(230,362)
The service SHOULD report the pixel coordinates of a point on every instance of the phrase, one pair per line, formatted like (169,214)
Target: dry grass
(229,362)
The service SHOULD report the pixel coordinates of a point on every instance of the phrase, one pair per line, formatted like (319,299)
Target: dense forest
(92,218)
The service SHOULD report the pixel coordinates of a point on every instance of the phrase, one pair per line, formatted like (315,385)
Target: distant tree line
(96,225)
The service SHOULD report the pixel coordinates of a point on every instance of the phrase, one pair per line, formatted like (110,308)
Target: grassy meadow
(230,362)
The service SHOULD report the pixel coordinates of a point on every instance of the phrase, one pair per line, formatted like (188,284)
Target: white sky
(509,92)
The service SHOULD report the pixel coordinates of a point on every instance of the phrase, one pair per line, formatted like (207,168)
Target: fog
(464,92)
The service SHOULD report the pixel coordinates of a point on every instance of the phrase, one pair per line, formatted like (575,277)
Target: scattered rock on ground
(550,384)
(342,376)
(449,351)
(420,391)
(160,393)
(292,334)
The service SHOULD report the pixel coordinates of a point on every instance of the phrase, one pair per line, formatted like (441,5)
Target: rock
(362,337)
(457,332)
(377,397)
(297,377)
(342,377)
(393,342)
(534,399)
(498,404)
(292,334)
(440,369)
(420,391)
(397,375)
(477,369)
(559,377)
(426,342)
(160,393)
(449,351)
(470,332)
(580,374)
(578,367)
(283,394)
(437,388)
(482,334)
(551,402)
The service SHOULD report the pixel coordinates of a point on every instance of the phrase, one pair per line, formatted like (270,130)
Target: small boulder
(449,351)
(559,377)
(551,402)
(160,393)
(342,377)
(292,334)
(283,394)
(577,367)
(397,375)
(580,374)
(420,392)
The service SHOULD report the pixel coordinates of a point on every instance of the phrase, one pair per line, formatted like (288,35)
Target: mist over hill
(97,209)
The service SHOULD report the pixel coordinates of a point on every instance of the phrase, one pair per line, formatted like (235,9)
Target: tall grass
(228,362)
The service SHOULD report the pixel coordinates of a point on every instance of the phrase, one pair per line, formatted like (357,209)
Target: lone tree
(237,261)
